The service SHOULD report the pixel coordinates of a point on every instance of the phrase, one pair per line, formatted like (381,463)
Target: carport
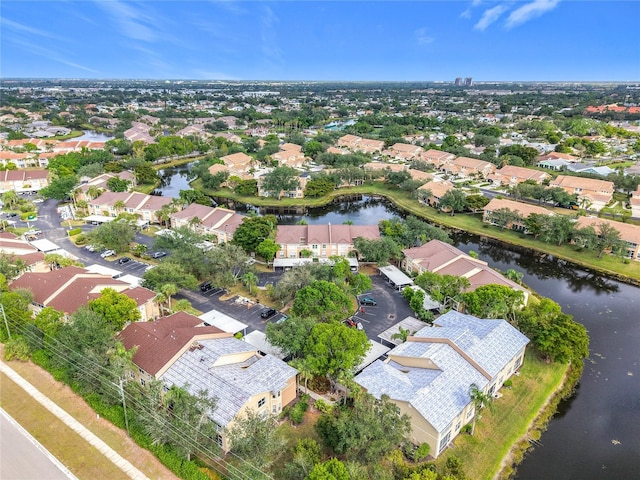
(223,322)
(45,246)
(102,270)
(395,277)
(376,350)
(259,340)
(98,219)
(284,264)
(429,303)
(410,323)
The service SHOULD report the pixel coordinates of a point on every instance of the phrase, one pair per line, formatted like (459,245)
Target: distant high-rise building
(468,82)
(458,81)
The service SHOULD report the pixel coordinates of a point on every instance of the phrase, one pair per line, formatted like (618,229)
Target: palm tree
(160,299)
(304,370)
(119,205)
(169,289)
(479,400)
(402,334)
(93,192)
(250,280)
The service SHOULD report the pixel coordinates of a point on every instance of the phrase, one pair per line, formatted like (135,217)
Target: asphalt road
(23,457)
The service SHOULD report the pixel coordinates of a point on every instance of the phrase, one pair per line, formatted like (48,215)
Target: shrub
(467,428)
(297,412)
(323,406)
(75,231)
(508,383)
(421,452)
(16,348)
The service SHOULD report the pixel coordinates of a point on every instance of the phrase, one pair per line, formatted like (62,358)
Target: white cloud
(489,16)
(19,27)
(132,22)
(423,37)
(50,54)
(466,14)
(530,11)
(269,43)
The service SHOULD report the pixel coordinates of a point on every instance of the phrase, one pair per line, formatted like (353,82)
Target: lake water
(92,136)
(596,433)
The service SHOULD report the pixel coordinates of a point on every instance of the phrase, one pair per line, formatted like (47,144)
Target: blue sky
(558,40)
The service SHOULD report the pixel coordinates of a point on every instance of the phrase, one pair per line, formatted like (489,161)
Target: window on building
(324,245)
(445,441)
(261,402)
(142,382)
(458,425)
(470,413)
(314,247)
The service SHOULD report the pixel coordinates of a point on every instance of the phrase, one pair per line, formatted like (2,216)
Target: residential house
(429,376)
(297,192)
(419,175)
(23,180)
(555,164)
(180,350)
(290,155)
(99,184)
(557,156)
(18,249)
(520,208)
(69,288)
(437,157)
(218,222)
(444,259)
(437,190)
(349,141)
(512,175)
(404,151)
(112,204)
(629,233)
(466,167)
(76,146)
(598,192)
(239,163)
(20,160)
(139,132)
(195,130)
(231,137)
(323,241)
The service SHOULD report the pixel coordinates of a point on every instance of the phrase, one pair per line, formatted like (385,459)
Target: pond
(596,433)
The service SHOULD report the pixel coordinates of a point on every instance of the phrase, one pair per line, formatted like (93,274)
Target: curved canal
(596,432)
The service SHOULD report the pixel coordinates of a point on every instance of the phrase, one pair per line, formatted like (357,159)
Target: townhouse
(290,155)
(444,259)
(239,163)
(23,180)
(598,192)
(521,209)
(218,222)
(437,157)
(404,151)
(359,144)
(180,350)
(436,190)
(111,204)
(323,241)
(69,288)
(429,376)
(20,252)
(512,175)
(99,184)
(466,167)
(629,233)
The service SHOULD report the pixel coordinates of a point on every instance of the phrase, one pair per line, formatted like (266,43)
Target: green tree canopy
(494,301)
(115,308)
(279,180)
(333,348)
(115,235)
(254,230)
(323,301)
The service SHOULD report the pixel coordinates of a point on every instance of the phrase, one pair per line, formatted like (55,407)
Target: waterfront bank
(607,265)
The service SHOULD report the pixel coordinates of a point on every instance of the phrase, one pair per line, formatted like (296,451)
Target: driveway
(391,308)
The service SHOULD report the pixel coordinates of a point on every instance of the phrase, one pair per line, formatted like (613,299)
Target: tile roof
(628,232)
(592,184)
(458,351)
(524,209)
(159,341)
(318,234)
(232,384)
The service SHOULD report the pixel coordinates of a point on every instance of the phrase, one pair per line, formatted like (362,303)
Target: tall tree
(280,180)
(256,438)
(115,308)
(321,300)
(453,201)
(333,348)
(479,400)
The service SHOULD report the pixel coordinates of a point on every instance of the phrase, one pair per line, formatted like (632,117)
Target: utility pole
(4,315)
(124,406)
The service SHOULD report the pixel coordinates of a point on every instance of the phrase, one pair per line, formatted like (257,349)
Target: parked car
(159,254)
(11,215)
(124,260)
(268,312)
(368,301)
(205,287)
(90,248)
(107,253)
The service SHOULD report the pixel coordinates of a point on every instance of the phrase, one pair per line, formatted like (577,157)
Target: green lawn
(482,454)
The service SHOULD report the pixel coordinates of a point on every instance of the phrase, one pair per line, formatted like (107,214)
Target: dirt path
(116,438)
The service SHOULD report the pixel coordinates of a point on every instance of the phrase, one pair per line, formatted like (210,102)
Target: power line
(107,377)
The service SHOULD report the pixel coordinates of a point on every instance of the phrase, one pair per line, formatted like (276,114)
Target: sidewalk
(102,447)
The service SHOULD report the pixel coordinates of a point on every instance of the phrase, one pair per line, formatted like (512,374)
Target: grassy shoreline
(607,265)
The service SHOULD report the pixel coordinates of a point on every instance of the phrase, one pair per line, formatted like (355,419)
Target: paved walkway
(106,450)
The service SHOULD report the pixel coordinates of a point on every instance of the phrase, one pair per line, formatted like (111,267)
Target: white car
(107,253)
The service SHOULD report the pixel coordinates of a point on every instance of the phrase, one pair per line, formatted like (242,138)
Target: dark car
(368,301)
(205,287)
(11,215)
(159,254)
(124,260)
(268,312)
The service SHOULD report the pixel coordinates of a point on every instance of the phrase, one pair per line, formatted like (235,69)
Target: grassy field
(71,449)
(482,454)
